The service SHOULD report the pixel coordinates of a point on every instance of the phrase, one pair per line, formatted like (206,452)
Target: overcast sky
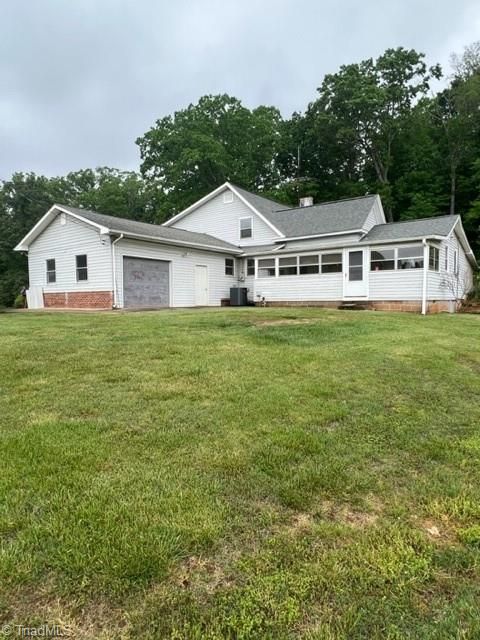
(80,80)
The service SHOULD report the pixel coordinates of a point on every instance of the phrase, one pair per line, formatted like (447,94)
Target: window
(332,263)
(455,262)
(433,256)
(82,270)
(308,264)
(266,268)
(51,271)
(446,258)
(410,257)
(250,266)
(287,266)
(228,197)
(246,225)
(229,267)
(382,260)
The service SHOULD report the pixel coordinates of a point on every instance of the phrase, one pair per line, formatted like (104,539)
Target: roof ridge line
(320,204)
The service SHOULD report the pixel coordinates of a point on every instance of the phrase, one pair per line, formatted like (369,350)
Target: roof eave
(180,243)
(320,235)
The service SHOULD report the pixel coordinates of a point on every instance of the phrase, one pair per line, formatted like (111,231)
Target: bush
(19,302)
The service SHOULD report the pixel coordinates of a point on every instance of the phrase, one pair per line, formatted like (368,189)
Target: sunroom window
(287,266)
(410,257)
(433,258)
(266,268)
(308,264)
(382,260)
(331,262)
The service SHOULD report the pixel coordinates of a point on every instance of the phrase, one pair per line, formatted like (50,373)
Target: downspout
(425,271)
(114,272)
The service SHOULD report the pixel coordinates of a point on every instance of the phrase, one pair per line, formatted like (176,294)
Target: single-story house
(327,254)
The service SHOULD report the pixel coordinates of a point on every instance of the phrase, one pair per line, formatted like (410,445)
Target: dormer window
(227,197)
(246,228)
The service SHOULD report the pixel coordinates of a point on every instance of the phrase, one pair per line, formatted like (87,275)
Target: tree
(186,155)
(367,102)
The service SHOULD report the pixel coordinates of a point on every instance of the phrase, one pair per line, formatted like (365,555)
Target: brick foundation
(78,300)
(411,306)
(329,304)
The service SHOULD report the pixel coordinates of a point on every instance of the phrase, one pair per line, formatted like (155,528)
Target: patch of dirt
(345,514)
(441,533)
(94,621)
(205,574)
(283,321)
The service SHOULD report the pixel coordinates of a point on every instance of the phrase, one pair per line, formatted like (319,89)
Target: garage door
(146,283)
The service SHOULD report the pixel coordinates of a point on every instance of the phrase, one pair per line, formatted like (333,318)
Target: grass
(256,473)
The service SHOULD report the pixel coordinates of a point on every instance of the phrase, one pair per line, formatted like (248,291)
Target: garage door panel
(146,283)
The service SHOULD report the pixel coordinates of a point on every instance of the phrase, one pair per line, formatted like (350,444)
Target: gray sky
(81,79)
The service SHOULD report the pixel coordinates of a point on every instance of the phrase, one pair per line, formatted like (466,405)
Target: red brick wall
(412,306)
(79,300)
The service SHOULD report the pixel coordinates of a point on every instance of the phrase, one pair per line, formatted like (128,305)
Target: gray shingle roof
(422,227)
(123,225)
(327,217)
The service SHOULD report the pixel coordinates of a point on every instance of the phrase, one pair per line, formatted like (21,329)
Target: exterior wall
(79,300)
(182,271)
(221,220)
(443,284)
(63,242)
(321,287)
(406,284)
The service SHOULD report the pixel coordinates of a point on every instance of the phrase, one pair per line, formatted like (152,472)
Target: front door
(355,274)
(201,285)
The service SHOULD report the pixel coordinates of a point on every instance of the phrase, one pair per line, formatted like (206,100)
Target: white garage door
(146,283)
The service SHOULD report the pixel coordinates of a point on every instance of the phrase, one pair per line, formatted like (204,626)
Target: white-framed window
(266,268)
(82,267)
(382,259)
(433,258)
(288,266)
(308,265)
(455,262)
(229,267)
(446,258)
(51,271)
(332,263)
(246,227)
(250,266)
(410,257)
(227,197)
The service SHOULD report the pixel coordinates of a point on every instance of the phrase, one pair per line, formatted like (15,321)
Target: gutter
(425,272)
(180,243)
(114,271)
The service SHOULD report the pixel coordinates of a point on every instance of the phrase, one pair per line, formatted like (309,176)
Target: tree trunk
(453,183)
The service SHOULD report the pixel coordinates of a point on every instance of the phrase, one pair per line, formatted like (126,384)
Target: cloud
(80,81)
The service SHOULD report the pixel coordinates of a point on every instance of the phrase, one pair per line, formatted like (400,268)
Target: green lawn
(255,473)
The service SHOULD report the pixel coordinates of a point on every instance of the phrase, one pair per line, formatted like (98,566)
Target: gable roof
(143,230)
(421,227)
(326,218)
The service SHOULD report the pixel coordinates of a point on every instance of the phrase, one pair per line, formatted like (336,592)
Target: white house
(330,254)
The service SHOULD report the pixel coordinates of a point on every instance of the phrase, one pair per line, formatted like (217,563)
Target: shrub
(19,302)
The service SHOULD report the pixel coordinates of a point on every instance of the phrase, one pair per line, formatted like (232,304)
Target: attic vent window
(63,218)
(227,197)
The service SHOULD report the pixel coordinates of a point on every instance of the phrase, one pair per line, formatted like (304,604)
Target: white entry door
(355,274)
(201,285)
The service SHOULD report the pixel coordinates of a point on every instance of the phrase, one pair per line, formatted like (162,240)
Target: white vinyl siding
(222,220)
(182,270)
(445,284)
(62,242)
